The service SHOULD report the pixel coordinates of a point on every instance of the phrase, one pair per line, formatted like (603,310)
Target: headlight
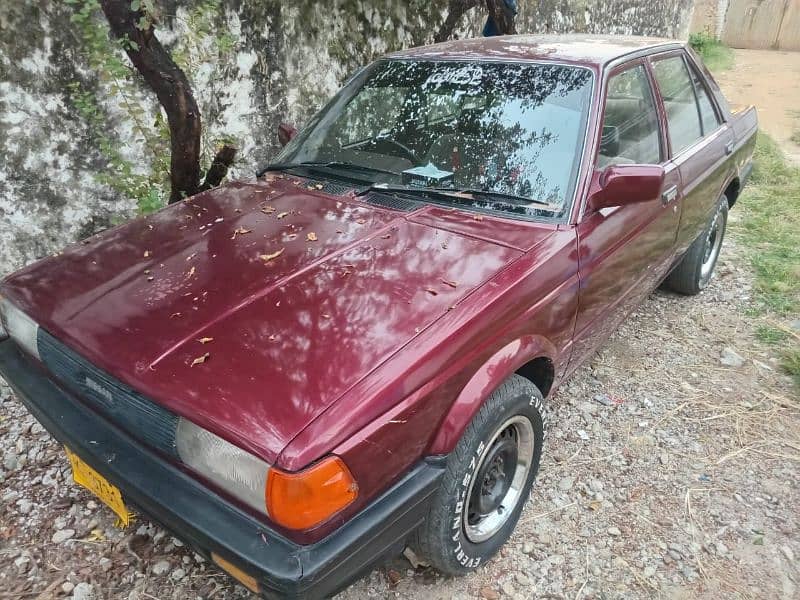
(295,500)
(238,472)
(19,327)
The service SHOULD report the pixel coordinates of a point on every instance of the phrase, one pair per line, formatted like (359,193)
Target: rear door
(624,251)
(699,140)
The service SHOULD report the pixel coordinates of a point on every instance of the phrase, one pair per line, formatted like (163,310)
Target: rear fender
(486,379)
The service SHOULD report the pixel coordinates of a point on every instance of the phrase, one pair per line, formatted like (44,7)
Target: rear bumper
(210,523)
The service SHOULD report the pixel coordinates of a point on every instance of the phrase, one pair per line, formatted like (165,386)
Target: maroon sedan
(302,373)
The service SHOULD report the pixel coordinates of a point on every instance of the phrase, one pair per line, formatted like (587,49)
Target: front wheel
(487,480)
(692,274)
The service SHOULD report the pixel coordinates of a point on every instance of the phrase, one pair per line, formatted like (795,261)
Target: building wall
(287,58)
(763,24)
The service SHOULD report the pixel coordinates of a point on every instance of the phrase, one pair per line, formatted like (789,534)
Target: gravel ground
(671,470)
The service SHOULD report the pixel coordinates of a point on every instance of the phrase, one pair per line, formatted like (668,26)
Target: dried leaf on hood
(146,253)
(190,272)
(240,231)
(281,215)
(432,292)
(361,221)
(173,315)
(319,186)
(269,257)
(452,284)
(311,236)
(201,359)
(190,257)
(386,237)
(268,210)
(205,340)
(478,217)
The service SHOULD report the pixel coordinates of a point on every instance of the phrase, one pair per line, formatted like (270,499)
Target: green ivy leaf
(135,5)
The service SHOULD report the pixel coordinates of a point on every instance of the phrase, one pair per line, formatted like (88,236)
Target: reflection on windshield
(509,128)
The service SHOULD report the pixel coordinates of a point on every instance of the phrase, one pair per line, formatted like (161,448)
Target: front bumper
(210,523)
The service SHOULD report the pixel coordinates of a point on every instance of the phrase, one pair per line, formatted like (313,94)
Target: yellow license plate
(109,494)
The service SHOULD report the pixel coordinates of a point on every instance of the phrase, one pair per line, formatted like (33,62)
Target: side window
(679,101)
(630,126)
(708,115)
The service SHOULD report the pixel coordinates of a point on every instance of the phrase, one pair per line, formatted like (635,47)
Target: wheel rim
(497,483)
(712,246)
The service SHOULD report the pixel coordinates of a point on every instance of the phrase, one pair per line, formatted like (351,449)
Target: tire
(692,274)
(454,537)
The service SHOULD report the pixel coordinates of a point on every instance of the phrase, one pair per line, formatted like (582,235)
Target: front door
(625,251)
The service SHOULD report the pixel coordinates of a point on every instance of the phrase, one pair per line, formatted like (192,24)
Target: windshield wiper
(332,164)
(457,194)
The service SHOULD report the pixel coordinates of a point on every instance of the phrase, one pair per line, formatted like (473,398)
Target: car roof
(584,49)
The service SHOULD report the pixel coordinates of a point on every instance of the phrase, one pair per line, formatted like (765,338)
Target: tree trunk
(168,81)
(456,9)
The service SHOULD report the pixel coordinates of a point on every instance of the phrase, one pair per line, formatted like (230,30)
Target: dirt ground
(672,470)
(770,80)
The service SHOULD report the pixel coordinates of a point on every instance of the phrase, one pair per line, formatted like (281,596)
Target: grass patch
(770,229)
(716,55)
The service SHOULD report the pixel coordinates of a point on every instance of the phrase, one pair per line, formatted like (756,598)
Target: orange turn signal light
(307,498)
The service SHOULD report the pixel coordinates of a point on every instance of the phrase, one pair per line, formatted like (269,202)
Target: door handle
(729,148)
(669,194)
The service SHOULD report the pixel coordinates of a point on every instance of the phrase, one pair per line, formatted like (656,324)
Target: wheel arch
(532,357)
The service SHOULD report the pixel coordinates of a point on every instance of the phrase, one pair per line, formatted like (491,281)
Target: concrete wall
(764,24)
(287,58)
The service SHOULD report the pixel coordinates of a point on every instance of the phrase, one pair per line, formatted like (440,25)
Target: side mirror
(620,185)
(286,132)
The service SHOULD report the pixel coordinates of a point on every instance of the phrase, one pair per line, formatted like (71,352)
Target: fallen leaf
(394,577)
(386,237)
(452,284)
(361,221)
(444,245)
(268,210)
(173,315)
(478,217)
(151,278)
(311,237)
(281,215)
(191,256)
(432,292)
(205,340)
(291,236)
(272,337)
(201,359)
(240,231)
(269,257)
(146,253)
(190,273)
(339,231)
(326,316)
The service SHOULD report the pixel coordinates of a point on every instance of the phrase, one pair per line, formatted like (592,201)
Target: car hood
(250,308)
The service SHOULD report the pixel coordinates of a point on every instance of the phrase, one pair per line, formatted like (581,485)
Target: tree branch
(455,10)
(219,167)
(171,87)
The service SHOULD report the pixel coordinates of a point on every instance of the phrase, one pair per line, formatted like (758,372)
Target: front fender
(504,363)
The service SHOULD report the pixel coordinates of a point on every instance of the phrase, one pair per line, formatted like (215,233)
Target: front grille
(142,418)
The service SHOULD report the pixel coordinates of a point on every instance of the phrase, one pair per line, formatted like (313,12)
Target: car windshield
(512,129)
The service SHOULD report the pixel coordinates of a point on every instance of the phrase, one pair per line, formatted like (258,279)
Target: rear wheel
(487,480)
(692,274)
